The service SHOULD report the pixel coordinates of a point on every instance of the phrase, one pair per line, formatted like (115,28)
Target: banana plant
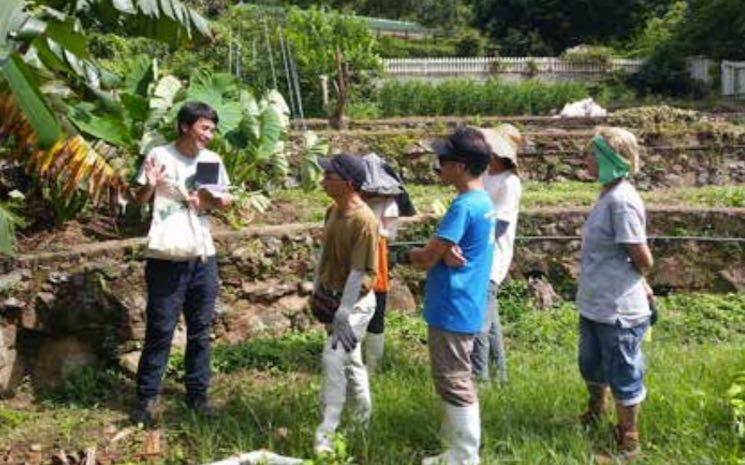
(44,63)
(40,36)
(132,121)
(9,220)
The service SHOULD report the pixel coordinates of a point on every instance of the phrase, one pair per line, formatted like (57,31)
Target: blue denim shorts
(611,355)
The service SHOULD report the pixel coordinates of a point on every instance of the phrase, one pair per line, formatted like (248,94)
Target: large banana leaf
(29,99)
(108,127)
(10,18)
(71,161)
(166,20)
(54,56)
(75,164)
(8,220)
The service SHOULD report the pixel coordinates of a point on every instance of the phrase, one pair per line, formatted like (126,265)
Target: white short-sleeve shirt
(180,172)
(505,190)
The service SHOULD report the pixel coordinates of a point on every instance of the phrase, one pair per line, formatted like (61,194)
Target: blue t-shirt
(455,298)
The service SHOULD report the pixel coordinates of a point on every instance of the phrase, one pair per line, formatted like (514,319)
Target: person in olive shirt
(347,267)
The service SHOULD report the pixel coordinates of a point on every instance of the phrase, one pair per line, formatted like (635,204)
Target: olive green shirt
(349,242)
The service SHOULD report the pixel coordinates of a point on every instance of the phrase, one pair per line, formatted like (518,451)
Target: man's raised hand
(154,172)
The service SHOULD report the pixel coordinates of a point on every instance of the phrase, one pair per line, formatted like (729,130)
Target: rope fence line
(569,238)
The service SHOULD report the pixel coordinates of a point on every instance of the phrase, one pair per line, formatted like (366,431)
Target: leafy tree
(665,73)
(438,14)
(316,35)
(550,26)
(711,28)
(659,30)
(714,28)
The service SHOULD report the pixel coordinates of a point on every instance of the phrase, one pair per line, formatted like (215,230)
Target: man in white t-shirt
(180,279)
(504,188)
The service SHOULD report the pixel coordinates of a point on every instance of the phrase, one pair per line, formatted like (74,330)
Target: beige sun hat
(504,141)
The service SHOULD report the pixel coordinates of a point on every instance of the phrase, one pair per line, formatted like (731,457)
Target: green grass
(266,392)
(300,206)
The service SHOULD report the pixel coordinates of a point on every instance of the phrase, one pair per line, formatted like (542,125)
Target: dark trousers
(377,323)
(173,287)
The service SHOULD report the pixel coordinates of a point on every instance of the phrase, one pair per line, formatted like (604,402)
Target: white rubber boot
(374,344)
(463,429)
(327,428)
(465,435)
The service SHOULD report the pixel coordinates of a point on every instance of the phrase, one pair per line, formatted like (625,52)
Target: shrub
(86,386)
(363,110)
(394,47)
(666,73)
(463,97)
(589,54)
(470,44)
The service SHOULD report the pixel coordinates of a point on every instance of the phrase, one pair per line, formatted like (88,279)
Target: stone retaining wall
(676,158)
(62,310)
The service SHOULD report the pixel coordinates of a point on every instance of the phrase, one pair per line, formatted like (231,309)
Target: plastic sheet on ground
(583,109)
(259,457)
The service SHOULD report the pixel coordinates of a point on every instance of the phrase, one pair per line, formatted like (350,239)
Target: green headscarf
(611,165)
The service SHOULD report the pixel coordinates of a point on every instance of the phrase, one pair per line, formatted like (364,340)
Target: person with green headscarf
(613,296)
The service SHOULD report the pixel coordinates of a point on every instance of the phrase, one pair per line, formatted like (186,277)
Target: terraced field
(267,350)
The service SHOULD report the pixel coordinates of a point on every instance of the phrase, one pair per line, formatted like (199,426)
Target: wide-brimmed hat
(504,141)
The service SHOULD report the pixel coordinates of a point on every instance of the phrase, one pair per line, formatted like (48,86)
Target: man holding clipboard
(185,180)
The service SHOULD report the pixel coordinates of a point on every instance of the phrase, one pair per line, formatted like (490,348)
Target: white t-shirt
(505,190)
(386,210)
(179,177)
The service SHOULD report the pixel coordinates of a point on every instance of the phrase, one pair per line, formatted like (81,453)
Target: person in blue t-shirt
(456,291)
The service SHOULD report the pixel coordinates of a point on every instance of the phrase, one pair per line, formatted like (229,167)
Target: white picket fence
(733,78)
(733,72)
(482,66)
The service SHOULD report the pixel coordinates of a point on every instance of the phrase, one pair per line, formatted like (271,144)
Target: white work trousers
(343,372)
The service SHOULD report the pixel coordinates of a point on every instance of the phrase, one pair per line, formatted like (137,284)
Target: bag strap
(194,223)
